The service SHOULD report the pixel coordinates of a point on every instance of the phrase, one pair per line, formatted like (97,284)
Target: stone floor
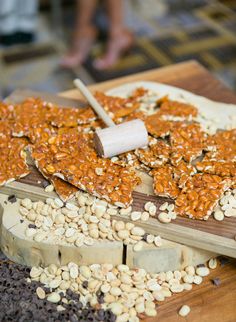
(176,30)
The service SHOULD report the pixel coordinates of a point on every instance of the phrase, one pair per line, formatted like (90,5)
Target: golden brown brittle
(34,116)
(155,154)
(135,115)
(222,146)
(158,127)
(71,156)
(138,93)
(220,168)
(182,171)
(127,159)
(200,195)
(178,109)
(117,106)
(71,117)
(5,129)
(188,141)
(164,184)
(13,159)
(6,111)
(65,190)
(30,114)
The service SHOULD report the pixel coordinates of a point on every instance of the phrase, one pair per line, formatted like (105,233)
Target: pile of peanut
(130,294)
(84,223)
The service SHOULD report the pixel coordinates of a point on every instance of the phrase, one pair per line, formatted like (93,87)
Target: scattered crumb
(12,198)
(216,281)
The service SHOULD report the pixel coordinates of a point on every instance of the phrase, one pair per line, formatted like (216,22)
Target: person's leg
(27,11)
(8,17)
(119,38)
(84,34)
(27,15)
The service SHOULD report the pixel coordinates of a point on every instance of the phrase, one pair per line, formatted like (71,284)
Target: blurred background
(43,51)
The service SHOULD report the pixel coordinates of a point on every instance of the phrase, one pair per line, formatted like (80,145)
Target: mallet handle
(93,102)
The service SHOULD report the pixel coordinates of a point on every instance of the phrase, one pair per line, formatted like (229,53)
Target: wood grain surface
(208,303)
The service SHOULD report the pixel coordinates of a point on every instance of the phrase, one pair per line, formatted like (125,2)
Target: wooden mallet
(115,139)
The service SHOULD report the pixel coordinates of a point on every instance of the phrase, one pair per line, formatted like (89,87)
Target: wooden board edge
(23,190)
(24,250)
(187,236)
(19,95)
(176,233)
(105,85)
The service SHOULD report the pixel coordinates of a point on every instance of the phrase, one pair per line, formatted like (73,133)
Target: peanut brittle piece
(188,141)
(155,154)
(130,160)
(182,171)
(164,184)
(13,159)
(71,117)
(6,111)
(71,157)
(34,113)
(138,94)
(41,133)
(200,195)
(178,109)
(135,115)
(117,106)
(65,190)
(220,168)
(30,114)
(127,159)
(5,129)
(158,127)
(222,146)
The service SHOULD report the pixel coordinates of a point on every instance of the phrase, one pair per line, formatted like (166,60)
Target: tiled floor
(173,32)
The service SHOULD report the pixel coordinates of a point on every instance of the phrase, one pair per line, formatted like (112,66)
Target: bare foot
(83,42)
(117,45)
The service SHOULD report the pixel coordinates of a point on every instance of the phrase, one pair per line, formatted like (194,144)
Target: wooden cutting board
(209,235)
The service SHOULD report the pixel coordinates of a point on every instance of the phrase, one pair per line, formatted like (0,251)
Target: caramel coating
(188,141)
(156,154)
(71,156)
(200,195)
(175,108)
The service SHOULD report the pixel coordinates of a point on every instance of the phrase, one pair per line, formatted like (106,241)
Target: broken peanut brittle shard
(158,127)
(34,114)
(178,109)
(200,195)
(65,190)
(71,117)
(117,106)
(13,159)
(155,154)
(164,184)
(220,168)
(72,158)
(168,180)
(222,146)
(188,141)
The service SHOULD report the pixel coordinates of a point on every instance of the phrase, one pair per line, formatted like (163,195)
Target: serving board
(25,250)
(218,237)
